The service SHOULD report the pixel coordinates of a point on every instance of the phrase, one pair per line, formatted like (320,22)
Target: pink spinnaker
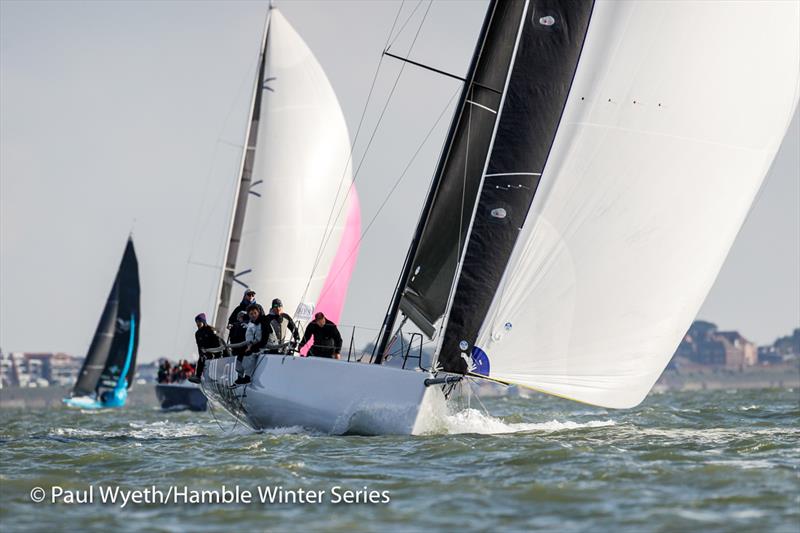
(334,291)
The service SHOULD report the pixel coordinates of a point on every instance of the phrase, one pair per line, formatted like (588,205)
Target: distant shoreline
(785,376)
(694,379)
(30,397)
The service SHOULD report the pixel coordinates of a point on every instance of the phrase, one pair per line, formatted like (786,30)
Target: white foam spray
(437,416)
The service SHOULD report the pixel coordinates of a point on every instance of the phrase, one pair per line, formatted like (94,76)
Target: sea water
(701,461)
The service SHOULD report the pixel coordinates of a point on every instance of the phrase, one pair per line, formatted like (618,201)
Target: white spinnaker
(675,115)
(302,155)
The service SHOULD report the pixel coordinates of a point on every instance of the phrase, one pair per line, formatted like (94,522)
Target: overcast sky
(128,116)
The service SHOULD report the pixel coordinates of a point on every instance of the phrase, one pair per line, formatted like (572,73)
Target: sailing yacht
(602,158)
(108,370)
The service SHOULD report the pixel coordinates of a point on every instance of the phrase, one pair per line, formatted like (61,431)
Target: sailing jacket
(327,339)
(238,335)
(272,329)
(253,333)
(279,325)
(243,305)
(207,338)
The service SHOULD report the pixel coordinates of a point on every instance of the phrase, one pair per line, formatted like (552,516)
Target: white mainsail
(300,178)
(675,115)
(295,174)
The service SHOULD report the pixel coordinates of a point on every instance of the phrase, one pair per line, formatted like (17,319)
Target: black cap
(277,303)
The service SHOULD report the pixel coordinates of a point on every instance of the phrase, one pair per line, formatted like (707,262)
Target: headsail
(111,360)
(295,179)
(674,116)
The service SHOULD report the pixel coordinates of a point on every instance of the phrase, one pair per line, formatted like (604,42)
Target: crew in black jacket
(206,338)
(327,339)
(238,334)
(248,299)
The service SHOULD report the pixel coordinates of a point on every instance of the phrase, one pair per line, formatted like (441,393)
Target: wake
(437,418)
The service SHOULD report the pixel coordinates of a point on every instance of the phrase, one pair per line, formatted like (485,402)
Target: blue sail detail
(117,397)
(480,361)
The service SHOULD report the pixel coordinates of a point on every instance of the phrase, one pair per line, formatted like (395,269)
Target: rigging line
(464,182)
(329,227)
(350,153)
(472,383)
(372,138)
(209,402)
(454,282)
(394,187)
(206,184)
(403,278)
(403,27)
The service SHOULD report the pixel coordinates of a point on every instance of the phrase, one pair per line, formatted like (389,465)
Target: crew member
(327,339)
(280,323)
(257,330)
(237,338)
(207,339)
(253,335)
(248,299)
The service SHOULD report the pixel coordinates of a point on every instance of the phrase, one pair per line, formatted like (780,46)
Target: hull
(109,399)
(326,395)
(83,402)
(180,396)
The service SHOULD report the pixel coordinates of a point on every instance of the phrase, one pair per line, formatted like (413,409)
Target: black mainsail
(550,43)
(431,264)
(111,360)
(511,105)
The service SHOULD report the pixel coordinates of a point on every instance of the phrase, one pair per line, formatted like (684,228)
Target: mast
(432,256)
(228,275)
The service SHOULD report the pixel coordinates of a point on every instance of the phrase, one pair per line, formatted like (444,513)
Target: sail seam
(490,110)
(514,174)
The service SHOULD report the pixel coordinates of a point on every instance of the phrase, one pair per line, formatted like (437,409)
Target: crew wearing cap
(280,325)
(327,339)
(248,299)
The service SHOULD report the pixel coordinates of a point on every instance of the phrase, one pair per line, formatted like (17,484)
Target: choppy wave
(679,462)
(136,430)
